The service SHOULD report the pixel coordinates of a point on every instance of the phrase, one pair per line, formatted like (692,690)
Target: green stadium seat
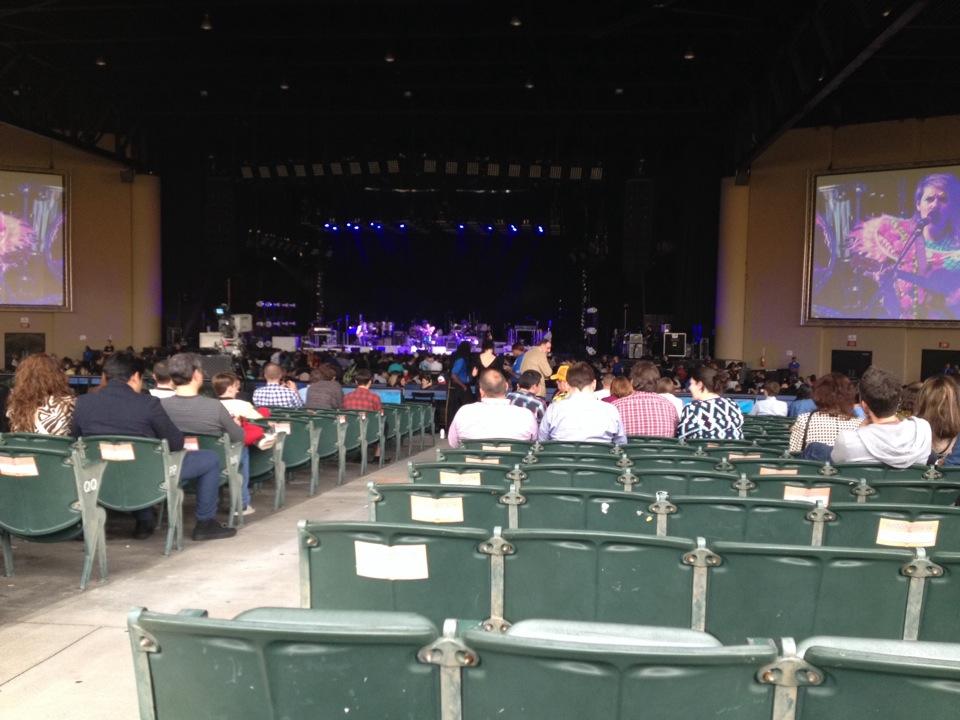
(739,519)
(582,446)
(450,473)
(438,572)
(229,455)
(913,492)
(482,457)
(498,445)
(50,496)
(939,597)
(876,524)
(804,488)
(885,472)
(547,670)
(592,576)
(776,466)
(140,472)
(669,462)
(270,462)
(283,663)
(391,429)
(764,590)
(38,440)
(891,679)
(422,421)
(475,507)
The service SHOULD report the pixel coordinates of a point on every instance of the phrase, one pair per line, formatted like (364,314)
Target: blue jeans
(245,472)
(203,467)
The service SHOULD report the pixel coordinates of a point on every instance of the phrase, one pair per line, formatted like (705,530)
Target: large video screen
(885,247)
(33,242)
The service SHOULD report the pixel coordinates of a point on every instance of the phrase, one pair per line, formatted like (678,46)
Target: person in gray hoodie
(883,437)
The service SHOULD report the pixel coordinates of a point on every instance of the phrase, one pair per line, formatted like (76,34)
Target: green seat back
(284,663)
(406,418)
(915,492)
(391,421)
(940,620)
(864,524)
(479,457)
(38,493)
(498,445)
(755,452)
(786,466)
(749,519)
(136,472)
(216,444)
(776,487)
(587,446)
(37,440)
(765,590)
(651,448)
(594,576)
(576,508)
(682,481)
(446,473)
(582,475)
(358,566)
(566,677)
(675,461)
(886,679)
(474,507)
(296,447)
(602,457)
(372,426)
(885,472)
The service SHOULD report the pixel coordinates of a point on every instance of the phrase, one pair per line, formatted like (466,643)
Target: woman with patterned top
(814,433)
(710,416)
(41,400)
(939,404)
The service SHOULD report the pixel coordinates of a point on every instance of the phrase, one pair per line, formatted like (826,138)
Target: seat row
(750,519)
(697,479)
(293,663)
(734,590)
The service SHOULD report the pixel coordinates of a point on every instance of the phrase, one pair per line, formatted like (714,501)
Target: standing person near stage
(462,373)
(488,358)
(536,359)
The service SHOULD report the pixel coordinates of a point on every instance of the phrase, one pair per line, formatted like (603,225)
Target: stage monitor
(33,241)
(883,247)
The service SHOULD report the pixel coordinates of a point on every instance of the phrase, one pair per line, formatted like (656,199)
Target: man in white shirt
(769,405)
(606,381)
(581,416)
(494,416)
(164,383)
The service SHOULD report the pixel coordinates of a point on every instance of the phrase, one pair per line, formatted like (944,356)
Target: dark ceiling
(299,80)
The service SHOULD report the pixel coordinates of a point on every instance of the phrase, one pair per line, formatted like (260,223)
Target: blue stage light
(378,226)
(373,224)
(403,226)
(513,228)
(540,230)
(335,228)
(349,225)
(489,228)
(326,225)
(461,226)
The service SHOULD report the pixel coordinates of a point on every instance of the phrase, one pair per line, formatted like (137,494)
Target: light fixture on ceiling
(206,23)
(515,22)
(389,57)
(528,84)
(618,91)
(689,54)
(101,61)
(204,93)
(408,94)
(284,85)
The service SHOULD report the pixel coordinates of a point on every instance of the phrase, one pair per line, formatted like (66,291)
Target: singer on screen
(915,261)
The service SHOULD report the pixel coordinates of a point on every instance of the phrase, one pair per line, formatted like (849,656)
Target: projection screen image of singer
(886,246)
(32,240)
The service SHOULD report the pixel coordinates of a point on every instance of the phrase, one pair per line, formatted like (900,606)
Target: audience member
(620,387)
(606,380)
(667,388)
(363,398)
(908,399)
(883,437)
(814,433)
(770,405)
(581,417)
(536,359)
(275,393)
(710,416)
(563,387)
(644,412)
(41,400)
(527,396)
(226,386)
(191,412)
(163,384)
(494,416)
(804,402)
(324,392)
(119,408)
(488,358)
(939,404)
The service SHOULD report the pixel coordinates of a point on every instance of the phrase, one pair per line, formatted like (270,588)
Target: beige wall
(115,249)
(774,243)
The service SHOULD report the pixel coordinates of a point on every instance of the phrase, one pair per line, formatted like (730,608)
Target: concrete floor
(65,655)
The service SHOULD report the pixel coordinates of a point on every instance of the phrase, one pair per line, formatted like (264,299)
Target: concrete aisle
(70,659)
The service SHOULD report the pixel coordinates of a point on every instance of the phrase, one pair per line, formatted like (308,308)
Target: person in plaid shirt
(363,398)
(274,394)
(527,393)
(645,412)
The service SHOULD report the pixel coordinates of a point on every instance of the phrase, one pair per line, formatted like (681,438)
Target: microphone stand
(881,290)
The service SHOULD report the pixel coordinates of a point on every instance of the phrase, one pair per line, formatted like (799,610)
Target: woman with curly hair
(41,400)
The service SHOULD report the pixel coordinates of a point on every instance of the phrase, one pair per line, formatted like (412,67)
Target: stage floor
(66,654)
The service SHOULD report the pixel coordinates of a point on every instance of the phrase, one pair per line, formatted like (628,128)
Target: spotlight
(378,226)
(389,57)
(206,23)
(540,230)
(101,61)
(403,226)
(528,84)
(461,227)
(326,226)
(618,91)
(689,54)
(513,228)
(373,224)
(490,229)
(515,22)
(335,228)
(274,258)
(349,225)
(284,85)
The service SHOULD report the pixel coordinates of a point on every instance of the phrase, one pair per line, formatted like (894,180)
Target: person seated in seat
(769,405)
(667,387)
(939,404)
(581,417)
(804,402)
(621,387)
(494,416)
(41,400)
(813,434)
(163,384)
(324,392)
(120,408)
(710,416)
(191,412)
(275,393)
(883,437)
(527,394)
(645,412)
